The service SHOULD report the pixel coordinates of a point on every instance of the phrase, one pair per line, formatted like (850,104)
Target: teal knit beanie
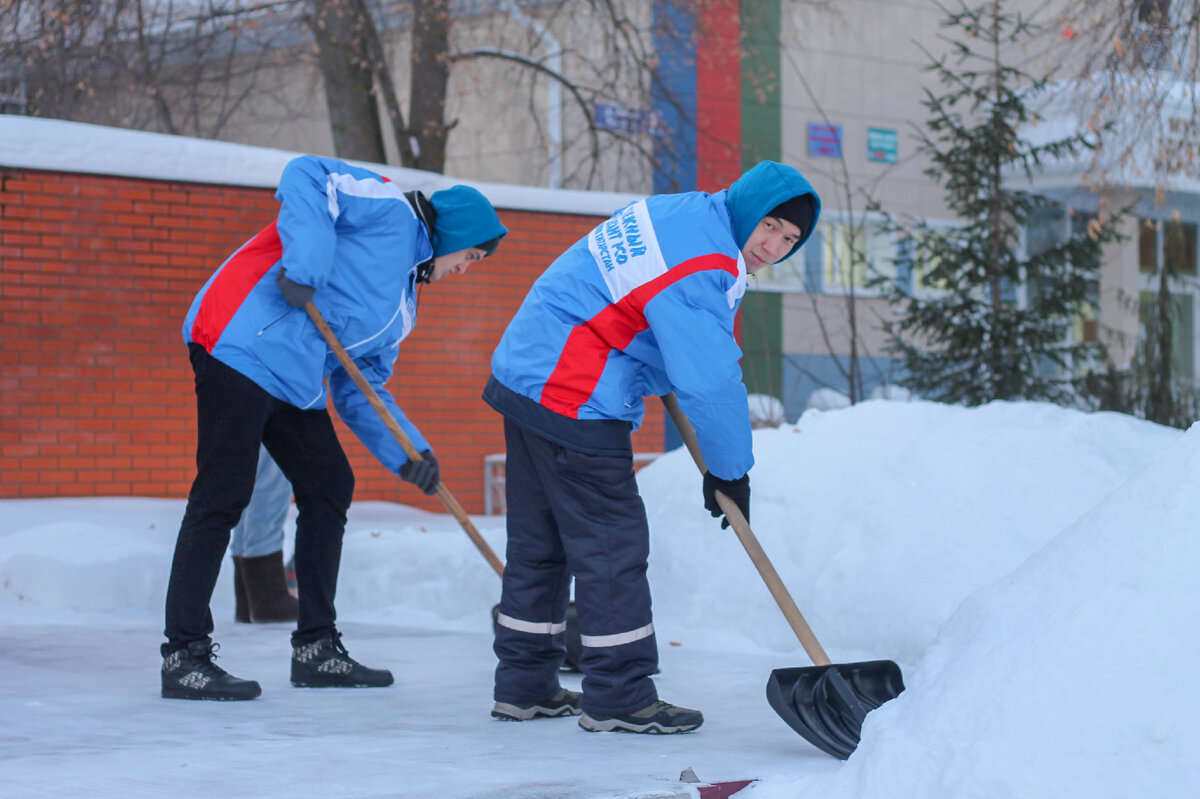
(465,219)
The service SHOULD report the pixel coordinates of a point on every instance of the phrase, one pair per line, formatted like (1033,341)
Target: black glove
(738,490)
(425,474)
(296,294)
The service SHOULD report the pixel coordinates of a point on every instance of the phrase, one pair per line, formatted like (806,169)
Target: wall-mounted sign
(824,141)
(882,145)
(624,120)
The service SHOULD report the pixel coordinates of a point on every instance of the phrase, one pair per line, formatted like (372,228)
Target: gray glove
(424,474)
(296,294)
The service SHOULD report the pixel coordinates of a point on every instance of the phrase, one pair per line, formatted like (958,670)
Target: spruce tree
(962,335)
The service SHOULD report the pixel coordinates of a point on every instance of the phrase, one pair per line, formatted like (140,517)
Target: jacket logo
(618,240)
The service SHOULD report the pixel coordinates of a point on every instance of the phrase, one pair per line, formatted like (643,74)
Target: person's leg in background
(259,576)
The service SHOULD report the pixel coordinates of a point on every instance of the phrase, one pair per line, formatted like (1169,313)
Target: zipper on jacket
(275,321)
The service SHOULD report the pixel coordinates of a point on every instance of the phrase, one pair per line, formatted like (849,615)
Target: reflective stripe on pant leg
(537,628)
(616,639)
(530,644)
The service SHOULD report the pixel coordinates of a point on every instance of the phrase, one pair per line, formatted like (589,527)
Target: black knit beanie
(798,211)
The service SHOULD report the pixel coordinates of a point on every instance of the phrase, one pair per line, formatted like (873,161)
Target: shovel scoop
(826,702)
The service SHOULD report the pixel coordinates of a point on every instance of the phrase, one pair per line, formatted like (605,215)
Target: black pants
(233,416)
(570,513)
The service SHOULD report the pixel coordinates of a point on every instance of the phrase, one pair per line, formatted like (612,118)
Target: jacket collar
(427,214)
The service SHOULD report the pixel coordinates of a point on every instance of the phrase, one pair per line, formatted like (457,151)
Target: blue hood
(760,190)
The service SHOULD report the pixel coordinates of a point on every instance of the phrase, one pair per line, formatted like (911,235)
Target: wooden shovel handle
(750,542)
(396,430)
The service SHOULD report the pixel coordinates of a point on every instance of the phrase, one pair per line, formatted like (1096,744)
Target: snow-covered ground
(1033,570)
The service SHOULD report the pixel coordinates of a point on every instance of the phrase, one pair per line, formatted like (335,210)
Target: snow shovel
(826,702)
(574,645)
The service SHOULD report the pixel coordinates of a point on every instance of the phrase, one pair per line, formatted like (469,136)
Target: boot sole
(311,683)
(649,728)
(180,694)
(508,712)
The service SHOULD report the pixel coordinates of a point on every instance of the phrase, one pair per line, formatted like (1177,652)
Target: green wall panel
(762,337)
(762,124)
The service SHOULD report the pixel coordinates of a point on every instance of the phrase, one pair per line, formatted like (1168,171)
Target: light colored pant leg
(260,530)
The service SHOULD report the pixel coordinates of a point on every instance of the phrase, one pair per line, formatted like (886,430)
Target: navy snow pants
(570,513)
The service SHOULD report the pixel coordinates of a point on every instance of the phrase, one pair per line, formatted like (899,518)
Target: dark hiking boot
(660,718)
(189,673)
(325,663)
(563,703)
(264,580)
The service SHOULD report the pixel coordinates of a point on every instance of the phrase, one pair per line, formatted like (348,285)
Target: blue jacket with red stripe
(645,305)
(358,240)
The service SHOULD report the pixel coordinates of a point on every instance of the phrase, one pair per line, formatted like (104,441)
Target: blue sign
(882,145)
(623,120)
(824,141)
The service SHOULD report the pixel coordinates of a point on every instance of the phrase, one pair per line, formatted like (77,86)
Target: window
(1182,329)
(1178,242)
(1086,325)
(1147,246)
(1152,35)
(12,91)
(840,257)
(1179,248)
(1154,12)
(844,257)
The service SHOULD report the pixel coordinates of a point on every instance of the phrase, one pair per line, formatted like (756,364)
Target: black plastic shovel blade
(827,704)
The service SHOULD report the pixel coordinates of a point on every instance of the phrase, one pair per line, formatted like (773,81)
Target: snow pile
(1072,676)
(882,518)
(1032,569)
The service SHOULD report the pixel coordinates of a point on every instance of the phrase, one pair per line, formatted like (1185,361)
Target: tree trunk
(430,77)
(338,29)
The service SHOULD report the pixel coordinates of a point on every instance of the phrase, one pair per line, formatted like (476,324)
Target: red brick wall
(96,274)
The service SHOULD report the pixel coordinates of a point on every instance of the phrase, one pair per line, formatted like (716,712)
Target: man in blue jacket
(643,305)
(358,247)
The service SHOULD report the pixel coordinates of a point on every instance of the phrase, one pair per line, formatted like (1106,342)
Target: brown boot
(266,589)
(241,607)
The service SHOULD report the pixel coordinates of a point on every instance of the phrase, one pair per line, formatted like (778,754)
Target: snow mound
(1074,675)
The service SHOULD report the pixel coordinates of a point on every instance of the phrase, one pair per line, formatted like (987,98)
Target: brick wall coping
(59,146)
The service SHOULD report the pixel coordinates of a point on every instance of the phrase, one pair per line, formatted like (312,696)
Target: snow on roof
(59,146)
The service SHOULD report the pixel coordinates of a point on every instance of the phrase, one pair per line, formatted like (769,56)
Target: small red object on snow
(722,790)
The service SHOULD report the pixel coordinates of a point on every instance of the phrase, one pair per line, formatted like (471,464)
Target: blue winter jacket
(358,240)
(645,305)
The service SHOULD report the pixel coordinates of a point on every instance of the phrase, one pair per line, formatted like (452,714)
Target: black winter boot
(265,583)
(241,606)
(189,673)
(324,663)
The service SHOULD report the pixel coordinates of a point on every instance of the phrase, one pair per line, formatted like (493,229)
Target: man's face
(455,263)
(771,240)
